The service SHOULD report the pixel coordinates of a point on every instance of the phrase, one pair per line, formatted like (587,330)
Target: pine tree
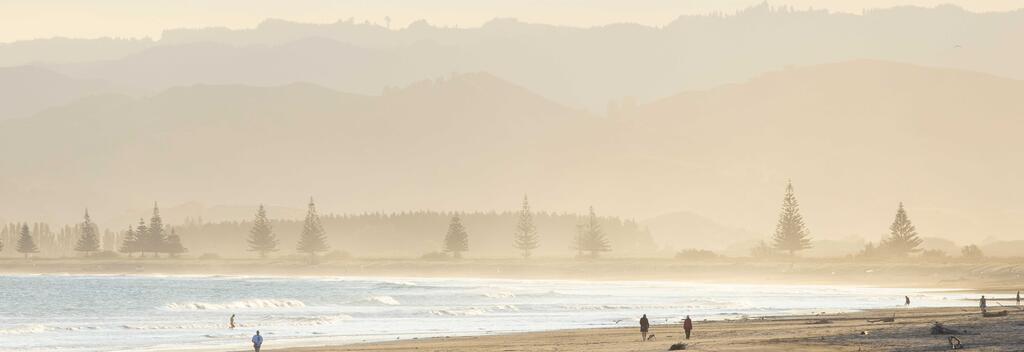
(173,245)
(88,241)
(791,234)
(902,238)
(26,245)
(456,240)
(142,237)
(526,239)
(261,237)
(313,238)
(156,241)
(592,237)
(578,241)
(130,243)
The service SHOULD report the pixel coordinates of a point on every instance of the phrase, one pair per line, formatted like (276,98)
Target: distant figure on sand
(232,323)
(983,304)
(644,327)
(687,326)
(257,341)
(908,301)
(1018,298)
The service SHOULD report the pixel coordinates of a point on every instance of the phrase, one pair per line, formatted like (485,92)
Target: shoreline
(540,339)
(821,332)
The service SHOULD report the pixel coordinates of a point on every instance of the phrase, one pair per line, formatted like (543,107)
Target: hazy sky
(29,19)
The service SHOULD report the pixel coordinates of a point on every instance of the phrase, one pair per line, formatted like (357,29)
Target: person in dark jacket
(687,326)
(644,327)
(908,301)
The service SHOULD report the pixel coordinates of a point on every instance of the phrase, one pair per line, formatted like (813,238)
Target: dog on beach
(650,338)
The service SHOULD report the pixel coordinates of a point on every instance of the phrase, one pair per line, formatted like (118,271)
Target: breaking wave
(25,329)
(244,304)
(383,300)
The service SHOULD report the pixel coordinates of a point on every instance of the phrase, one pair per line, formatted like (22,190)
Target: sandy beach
(911,331)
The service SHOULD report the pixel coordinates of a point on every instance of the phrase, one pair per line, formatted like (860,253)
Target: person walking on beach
(908,301)
(257,341)
(231,324)
(687,326)
(983,304)
(1018,298)
(644,327)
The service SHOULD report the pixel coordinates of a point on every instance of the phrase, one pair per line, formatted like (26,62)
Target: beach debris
(820,321)
(679,346)
(954,343)
(884,320)
(1001,313)
(939,329)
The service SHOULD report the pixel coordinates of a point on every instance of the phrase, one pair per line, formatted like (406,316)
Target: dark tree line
(403,234)
(415,233)
(154,238)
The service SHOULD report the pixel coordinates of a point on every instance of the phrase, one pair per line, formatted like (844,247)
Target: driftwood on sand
(884,320)
(939,329)
(1001,313)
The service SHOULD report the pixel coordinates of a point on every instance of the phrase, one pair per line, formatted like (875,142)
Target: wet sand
(833,332)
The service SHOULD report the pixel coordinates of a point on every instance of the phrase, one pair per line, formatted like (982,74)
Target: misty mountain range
(370,119)
(581,67)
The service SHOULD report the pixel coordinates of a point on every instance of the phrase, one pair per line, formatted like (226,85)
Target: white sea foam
(459,312)
(171,326)
(383,300)
(499,294)
(244,304)
(317,320)
(400,283)
(25,329)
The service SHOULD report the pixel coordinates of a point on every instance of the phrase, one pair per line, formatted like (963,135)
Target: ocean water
(154,313)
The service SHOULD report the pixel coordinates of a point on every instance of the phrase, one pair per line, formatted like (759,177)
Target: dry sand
(842,332)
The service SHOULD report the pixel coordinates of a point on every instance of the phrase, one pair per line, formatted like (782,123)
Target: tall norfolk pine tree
(156,240)
(88,241)
(313,238)
(526,239)
(26,245)
(261,237)
(141,237)
(130,243)
(902,238)
(591,237)
(456,240)
(791,234)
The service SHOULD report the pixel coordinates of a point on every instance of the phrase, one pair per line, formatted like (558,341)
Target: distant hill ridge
(946,139)
(579,67)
